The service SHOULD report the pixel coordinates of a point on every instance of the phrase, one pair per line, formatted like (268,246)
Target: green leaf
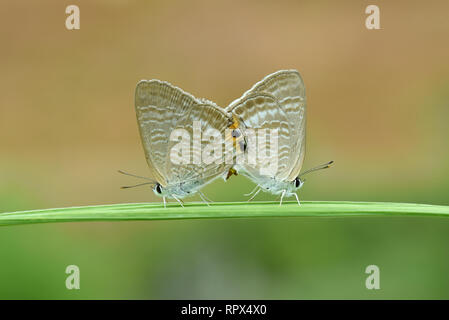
(156,211)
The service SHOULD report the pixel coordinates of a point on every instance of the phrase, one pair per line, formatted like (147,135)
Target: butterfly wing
(287,88)
(261,111)
(209,119)
(158,106)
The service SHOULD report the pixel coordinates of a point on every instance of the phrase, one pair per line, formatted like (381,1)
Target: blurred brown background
(378,104)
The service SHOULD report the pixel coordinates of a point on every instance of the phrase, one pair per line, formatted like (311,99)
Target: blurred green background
(378,104)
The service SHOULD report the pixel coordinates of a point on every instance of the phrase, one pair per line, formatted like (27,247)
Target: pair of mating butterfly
(277,102)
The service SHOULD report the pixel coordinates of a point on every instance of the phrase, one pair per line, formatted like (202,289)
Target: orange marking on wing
(235,123)
(231,172)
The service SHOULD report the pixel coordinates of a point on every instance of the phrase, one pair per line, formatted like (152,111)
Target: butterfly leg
(203,197)
(297,199)
(208,200)
(165,204)
(254,195)
(180,202)
(254,190)
(282,197)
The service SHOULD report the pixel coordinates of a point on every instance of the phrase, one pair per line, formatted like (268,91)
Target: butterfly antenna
(137,185)
(133,175)
(320,167)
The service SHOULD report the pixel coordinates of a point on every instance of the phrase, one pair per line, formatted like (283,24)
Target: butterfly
(277,105)
(163,109)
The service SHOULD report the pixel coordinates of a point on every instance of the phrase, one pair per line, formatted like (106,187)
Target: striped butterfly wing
(260,111)
(207,152)
(158,107)
(288,89)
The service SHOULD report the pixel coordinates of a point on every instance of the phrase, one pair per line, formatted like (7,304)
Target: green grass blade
(153,211)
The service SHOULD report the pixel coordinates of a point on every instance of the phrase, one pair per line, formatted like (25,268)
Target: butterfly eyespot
(158,188)
(243,146)
(297,182)
(235,133)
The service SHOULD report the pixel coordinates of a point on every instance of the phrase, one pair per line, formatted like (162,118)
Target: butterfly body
(277,105)
(277,187)
(166,115)
(179,190)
